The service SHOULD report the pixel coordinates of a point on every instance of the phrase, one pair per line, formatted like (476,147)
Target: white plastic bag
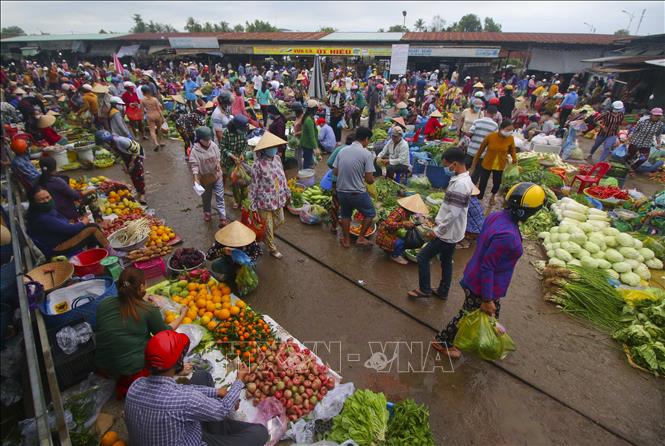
(198,189)
(194,333)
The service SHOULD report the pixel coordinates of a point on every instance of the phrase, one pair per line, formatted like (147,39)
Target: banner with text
(399,58)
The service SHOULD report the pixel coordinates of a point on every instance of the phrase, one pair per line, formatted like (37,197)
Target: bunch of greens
(385,188)
(296,200)
(420,185)
(378,135)
(543,220)
(364,419)
(644,334)
(409,425)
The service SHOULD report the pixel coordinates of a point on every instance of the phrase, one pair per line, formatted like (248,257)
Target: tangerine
(109,438)
(235,310)
(187,320)
(224,314)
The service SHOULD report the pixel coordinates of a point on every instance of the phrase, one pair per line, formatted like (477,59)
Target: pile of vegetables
(378,135)
(643,335)
(515,173)
(148,253)
(436,150)
(409,425)
(186,258)
(543,220)
(419,184)
(292,376)
(607,192)
(131,233)
(364,419)
(584,238)
(316,196)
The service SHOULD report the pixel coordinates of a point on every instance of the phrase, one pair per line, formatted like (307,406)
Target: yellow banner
(323,51)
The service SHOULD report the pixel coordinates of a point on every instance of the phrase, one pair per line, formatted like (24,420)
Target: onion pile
(292,376)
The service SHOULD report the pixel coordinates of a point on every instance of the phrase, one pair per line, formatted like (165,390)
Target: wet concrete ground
(565,384)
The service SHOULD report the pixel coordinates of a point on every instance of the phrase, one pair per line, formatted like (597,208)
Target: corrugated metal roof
(362,37)
(271,36)
(548,38)
(61,37)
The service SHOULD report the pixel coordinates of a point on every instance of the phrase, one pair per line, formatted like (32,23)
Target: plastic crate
(74,368)
(152,268)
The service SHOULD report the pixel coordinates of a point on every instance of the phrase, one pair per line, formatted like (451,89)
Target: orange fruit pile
(160,235)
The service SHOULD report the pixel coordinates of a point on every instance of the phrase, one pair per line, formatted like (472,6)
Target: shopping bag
(134,112)
(479,333)
(246,280)
(413,239)
(165,126)
(326,182)
(253,221)
(240,176)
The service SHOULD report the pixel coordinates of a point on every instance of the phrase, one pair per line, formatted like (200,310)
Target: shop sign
(453,52)
(322,51)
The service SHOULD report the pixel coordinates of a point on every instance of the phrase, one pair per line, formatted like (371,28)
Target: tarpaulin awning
(29,50)
(129,50)
(158,49)
(100,51)
(657,62)
(618,69)
(204,43)
(561,61)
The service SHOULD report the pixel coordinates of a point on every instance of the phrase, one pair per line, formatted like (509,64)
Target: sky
(55,17)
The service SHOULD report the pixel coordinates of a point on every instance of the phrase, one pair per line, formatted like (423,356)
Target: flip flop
(417,294)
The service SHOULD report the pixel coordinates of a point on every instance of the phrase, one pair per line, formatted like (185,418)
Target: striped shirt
(479,130)
(160,412)
(645,132)
(452,216)
(611,121)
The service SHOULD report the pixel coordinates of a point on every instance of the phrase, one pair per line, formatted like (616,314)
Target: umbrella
(117,64)
(317,88)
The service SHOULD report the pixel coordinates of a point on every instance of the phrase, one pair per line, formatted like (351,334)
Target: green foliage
(327,29)
(491,25)
(468,23)
(140,26)
(419,25)
(621,32)
(258,26)
(409,425)
(364,419)
(398,29)
(12,31)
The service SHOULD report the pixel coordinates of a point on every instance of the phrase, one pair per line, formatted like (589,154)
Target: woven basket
(52,275)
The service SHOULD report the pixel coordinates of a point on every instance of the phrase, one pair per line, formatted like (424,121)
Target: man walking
(354,169)
(449,230)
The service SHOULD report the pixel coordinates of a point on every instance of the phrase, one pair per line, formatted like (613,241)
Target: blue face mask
(271,151)
(450,171)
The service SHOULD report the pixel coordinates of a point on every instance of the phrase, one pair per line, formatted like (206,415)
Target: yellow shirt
(538,90)
(498,148)
(554,89)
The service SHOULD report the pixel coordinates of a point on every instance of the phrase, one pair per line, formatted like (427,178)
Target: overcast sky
(529,16)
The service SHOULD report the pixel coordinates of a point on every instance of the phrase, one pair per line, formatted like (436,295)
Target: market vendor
(643,137)
(21,165)
(388,235)
(67,200)
(433,124)
(161,412)
(232,146)
(469,116)
(132,156)
(395,154)
(124,326)
(487,275)
(234,236)
(326,136)
(54,235)
(47,132)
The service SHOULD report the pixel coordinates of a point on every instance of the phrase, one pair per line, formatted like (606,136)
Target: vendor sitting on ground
(161,412)
(395,154)
(326,137)
(46,131)
(232,237)
(389,236)
(433,124)
(54,235)
(124,326)
(67,200)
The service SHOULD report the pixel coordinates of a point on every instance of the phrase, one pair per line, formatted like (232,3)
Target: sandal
(207,216)
(417,294)
(276,254)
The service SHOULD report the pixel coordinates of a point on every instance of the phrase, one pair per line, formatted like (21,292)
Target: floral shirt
(268,190)
(387,233)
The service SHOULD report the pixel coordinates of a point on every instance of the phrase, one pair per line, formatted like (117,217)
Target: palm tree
(419,25)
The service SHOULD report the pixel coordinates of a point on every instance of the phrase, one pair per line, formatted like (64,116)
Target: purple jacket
(491,267)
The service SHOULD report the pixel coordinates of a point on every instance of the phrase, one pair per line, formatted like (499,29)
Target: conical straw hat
(235,235)
(99,88)
(269,140)
(436,114)
(45,121)
(178,98)
(401,105)
(414,204)
(399,121)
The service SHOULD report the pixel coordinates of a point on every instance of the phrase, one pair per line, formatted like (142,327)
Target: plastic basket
(437,176)
(83,302)
(74,368)
(152,268)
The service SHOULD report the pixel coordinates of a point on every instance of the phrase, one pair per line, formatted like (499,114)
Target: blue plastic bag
(326,182)
(239,257)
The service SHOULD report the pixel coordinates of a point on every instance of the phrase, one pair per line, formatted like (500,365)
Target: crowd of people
(217,110)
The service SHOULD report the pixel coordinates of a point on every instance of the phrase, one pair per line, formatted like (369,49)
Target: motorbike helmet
(165,350)
(102,136)
(19,146)
(524,199)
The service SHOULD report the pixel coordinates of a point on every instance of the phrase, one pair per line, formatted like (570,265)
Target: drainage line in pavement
(421,322)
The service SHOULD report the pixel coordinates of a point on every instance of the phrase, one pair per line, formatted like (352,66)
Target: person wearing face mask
(117,118)
(124,326)
(493,112)
(221,115)
(54,235)
(498,146)
(132,155)
(487,276)
(205,164)
(469,116)
(450,228)
(268,191)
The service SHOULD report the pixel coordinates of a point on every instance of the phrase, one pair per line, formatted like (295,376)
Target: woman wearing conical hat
(390,236)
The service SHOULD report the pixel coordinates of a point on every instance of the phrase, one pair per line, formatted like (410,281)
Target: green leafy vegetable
(409,425)
(364,419)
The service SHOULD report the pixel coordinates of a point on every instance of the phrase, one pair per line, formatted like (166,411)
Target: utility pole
(640,22)
(404,23)
(631,16)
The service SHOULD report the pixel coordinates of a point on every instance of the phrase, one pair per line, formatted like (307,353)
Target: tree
(419,25)
(491,26)
(618,32)
(223,27)
(101,31)
(192,26)
(469,23)
(398,29)
(437,24)
(327,29)
(381,30)
(259,26)
(12,31)
(239,28)
(139,24)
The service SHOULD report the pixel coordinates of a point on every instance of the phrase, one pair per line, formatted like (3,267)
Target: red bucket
(88,262)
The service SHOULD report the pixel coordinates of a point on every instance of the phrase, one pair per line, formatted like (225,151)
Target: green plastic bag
(479,333)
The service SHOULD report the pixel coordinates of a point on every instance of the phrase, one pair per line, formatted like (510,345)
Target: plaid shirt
(232,143)
(160,412)
(491,267)
(645,132)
